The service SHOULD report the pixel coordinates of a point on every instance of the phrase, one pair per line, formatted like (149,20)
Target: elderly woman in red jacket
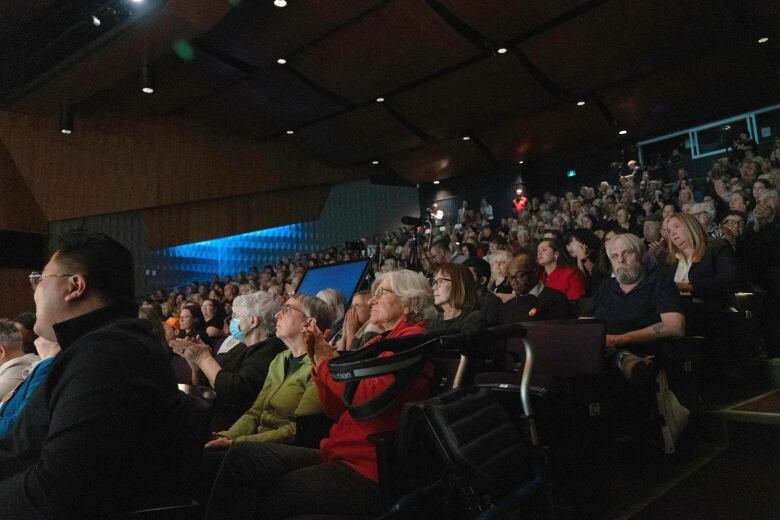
(277,481)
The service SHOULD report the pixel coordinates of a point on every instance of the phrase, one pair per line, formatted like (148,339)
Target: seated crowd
(645,258)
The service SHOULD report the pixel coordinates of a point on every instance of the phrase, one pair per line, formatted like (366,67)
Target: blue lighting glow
(229,255)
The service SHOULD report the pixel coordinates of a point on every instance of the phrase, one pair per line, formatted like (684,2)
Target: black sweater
(104,433)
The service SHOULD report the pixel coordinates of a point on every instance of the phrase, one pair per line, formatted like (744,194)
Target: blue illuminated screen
(345,278)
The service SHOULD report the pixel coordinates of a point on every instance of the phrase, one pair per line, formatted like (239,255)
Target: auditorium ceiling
(506,74)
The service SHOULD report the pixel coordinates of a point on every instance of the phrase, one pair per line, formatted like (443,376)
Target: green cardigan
(272,417)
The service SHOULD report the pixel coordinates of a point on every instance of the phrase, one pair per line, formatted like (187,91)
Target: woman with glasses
(456,294)
(239,375)
(341,477)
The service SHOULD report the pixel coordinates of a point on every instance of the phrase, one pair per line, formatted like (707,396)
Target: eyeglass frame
(35,278)
(381,291)
(435,282)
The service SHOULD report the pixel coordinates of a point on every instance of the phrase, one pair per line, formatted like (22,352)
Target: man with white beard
(641,308)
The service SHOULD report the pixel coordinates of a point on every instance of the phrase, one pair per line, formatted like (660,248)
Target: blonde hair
(695,231)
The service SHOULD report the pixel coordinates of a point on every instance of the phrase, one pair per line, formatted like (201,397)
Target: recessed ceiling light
(466,137)
(436,182)
(623,132)
(66,131)
(502,50)
(280,3)
(763,40)
(147,90)
(520,162)
(380,100)
(580,103)
(290,132)
(95,21)
(281,61)
(374,162)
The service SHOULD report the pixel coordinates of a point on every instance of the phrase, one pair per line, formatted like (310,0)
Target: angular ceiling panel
(437,161)
(356,136)
(625,37)
(258,33)
(484,93)
(548,132)
(271,101)
(176,83)
(695,91)
(504,21)
(384,50)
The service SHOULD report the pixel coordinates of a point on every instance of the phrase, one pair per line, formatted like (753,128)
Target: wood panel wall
(199,221)
(16,291)
(113,163)
(19,210)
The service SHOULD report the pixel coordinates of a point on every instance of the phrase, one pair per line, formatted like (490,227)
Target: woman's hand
(317,343)
(218,441)
(351,326)
(193,351)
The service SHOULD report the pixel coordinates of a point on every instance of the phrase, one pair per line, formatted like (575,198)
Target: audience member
(585,247)
(531,299)
(15,365)
(498,284)
(489,303)
(341,477)
(455,293)
(355,318)
(240,375)
(557,272)
(106,435)
(11,409)
(25,323)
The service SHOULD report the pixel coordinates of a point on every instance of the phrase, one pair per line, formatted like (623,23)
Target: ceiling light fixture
(580,103)
(466,137)
(147,78)
(763,40)
(280,3)
(623,132)
(502,50)
(281,61)
(520,162)
(375,162)
(290,132)
(95,21)
(66,120)
(436,182)
(380,100)
(138,1)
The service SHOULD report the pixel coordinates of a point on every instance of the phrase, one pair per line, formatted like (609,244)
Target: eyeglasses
(381,292)
(287,308)
(35,278)
(520,274)
(438,281)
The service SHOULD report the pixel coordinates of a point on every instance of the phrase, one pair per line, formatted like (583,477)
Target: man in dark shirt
(489,303)
(641,308)
(105,433)
(533,301)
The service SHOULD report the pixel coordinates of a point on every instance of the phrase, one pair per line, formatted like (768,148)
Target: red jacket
(348,438)
(567,280)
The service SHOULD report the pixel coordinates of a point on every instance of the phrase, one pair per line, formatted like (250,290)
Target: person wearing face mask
(239,375)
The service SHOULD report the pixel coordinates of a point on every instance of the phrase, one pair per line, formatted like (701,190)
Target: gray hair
(335,301)
(498,254)
(316,308)
(632,242)
(412,288)
(262,304)
(9,336)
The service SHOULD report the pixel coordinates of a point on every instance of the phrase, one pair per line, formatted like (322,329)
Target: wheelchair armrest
(384,444)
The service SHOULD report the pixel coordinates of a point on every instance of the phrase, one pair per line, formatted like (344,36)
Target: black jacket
(105,433)
(714,277)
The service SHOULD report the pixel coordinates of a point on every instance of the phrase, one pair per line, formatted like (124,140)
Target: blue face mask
(235,331)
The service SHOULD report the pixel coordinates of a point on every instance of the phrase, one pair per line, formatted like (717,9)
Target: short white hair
(412,288)
(335,301)
(631,241)
(500,253)
(262,304)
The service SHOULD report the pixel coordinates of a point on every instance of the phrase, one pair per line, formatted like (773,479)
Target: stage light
(580,103)
(436,182)
(147,78)
(138,1)
(290,132)
(66,120)
(571,173)
(502,50)
(763,40)
(466,137)
(623,132)
(520,162)
(95,21)
(437,215)
(281,61)
(375,162)
(280,3)
(380,100)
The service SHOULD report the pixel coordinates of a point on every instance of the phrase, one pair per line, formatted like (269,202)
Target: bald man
(532,300)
